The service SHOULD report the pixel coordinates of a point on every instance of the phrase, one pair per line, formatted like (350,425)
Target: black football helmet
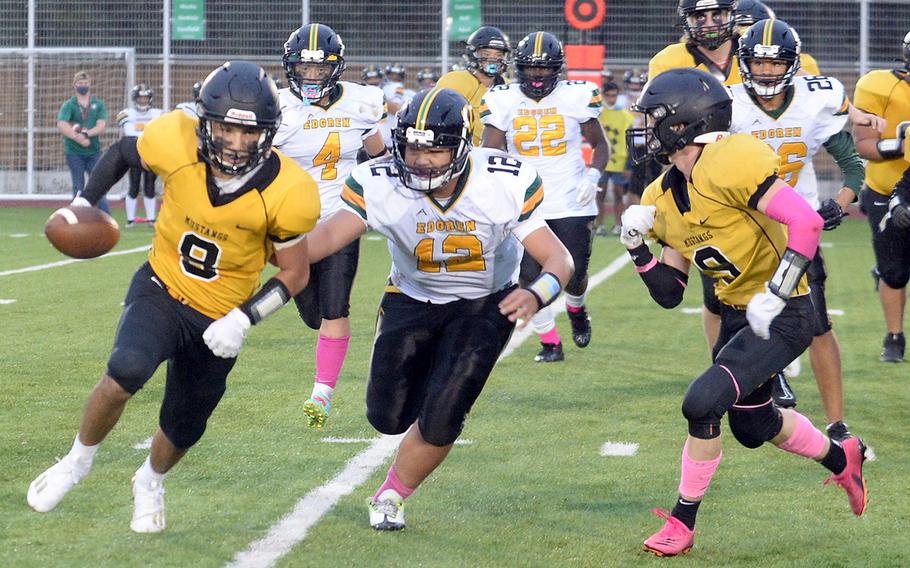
(747,12)
(399,71)
(142,90)
(634,80)
(707,34)
(370,73)
(433,118)
(241,93)
(539,50)
(686,97)
(492,38)
(313,43)
(905,51)
(427,74)
(773,40)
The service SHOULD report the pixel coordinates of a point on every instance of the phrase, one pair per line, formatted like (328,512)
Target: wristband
(545,288)
(268,300)
(791,268)
(641,256)
(890,148)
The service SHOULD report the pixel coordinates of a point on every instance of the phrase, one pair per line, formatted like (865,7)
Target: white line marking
(293,528)
(144,444)
(19,235)
(334,440)
(4,302)
(69,261)
(826,245)
(375,238)
(834,312)
(691,311)
(619,449)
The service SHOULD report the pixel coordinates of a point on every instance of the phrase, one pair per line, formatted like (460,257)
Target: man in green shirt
(81,120)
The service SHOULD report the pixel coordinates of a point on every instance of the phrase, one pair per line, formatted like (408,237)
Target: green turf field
(531,490)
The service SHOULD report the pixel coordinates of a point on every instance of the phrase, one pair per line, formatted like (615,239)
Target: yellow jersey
(887,94)
(712,220)
(470,87)
(210,248)
(615,123)
(678,55)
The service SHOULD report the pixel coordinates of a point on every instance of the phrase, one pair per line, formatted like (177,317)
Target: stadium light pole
(30,107)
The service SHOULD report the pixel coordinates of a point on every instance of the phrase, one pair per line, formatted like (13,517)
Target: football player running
(325,122)
(796,115)
(886,92)
(230,202)
(486,59)
(542,120)
(456,220)
(722,207)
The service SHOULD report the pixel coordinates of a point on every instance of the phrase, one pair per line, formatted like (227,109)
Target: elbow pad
(665,283)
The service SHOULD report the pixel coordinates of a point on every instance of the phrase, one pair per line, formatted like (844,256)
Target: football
(82,232)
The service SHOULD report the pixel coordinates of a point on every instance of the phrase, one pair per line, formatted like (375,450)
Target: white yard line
(293,528)
(619,449)
(7,301)
(69,261)
(334,440)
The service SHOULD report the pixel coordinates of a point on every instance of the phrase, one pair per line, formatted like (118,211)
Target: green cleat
(317,410)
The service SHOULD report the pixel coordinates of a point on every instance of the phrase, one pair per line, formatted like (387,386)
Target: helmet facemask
(663,134)
(767,86)
(711,32)
(311,89)
(429,179)
(536,85)
(216,152)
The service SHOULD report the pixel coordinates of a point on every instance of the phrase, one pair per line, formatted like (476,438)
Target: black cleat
(550,353)
(893,348)
(781,393)
(581,327)
(838,431)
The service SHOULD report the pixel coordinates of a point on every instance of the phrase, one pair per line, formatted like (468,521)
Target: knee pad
(439,434)
(707,400)
(895,276)
(131,368)
(753,426)
(381,420)
(308,308)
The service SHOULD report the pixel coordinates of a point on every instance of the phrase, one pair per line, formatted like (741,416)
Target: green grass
(532,490)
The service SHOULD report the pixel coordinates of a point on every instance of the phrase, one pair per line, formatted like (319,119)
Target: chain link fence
(844,36)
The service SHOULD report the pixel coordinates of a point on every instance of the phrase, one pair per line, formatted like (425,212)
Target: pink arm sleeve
(804,225)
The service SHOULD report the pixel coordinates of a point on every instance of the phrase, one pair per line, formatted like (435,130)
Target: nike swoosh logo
(703,221)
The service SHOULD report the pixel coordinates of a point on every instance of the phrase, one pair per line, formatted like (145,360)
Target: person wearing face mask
(82,119)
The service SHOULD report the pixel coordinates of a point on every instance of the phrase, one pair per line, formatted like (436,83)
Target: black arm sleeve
(665,283)
(116,161)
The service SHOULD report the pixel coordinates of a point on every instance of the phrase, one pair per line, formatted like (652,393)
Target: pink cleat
(674,538)
(851,479)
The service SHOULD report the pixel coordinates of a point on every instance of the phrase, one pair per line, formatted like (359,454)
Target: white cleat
(148,507)
(49,488)
(387,513)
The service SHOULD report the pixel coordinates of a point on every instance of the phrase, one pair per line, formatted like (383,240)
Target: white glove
(637,220)
(761,311)
(80,201)
(587,188)
(225,336)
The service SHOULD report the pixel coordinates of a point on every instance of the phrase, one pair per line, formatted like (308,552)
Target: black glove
(900,213)
(831,214)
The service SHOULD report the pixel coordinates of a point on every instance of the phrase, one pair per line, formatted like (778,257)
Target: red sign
(585,14)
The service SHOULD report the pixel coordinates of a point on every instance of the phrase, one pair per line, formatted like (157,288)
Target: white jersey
(466,246)
(397,94)
(132,121)
(189,107)
(325,141)
(547,134)
(816,112)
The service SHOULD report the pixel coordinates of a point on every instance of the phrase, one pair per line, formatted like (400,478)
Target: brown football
(82,232)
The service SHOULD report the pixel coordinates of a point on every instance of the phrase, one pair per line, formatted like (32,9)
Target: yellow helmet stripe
(424,109)
(314,36)
(768,32)
(538,45)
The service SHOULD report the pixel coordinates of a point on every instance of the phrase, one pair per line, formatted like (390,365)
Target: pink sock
(330,353)
(806,440)
(696,475)
(574,309)
(392,482)
(551,336)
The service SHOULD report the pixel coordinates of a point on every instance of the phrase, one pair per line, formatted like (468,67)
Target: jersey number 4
(473,261)
(328,156)
(550,129)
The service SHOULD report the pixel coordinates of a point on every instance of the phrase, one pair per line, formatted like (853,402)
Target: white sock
(83,455)
(150,206)
(543,321)
(130,207)
(576,301)
(323,390)
(147,475)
